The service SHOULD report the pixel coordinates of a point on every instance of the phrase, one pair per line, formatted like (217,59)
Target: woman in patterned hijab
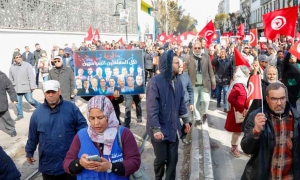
(104,129)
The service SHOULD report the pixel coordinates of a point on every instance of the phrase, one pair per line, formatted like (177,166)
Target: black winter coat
(6,86)
(261,150)
(223,70)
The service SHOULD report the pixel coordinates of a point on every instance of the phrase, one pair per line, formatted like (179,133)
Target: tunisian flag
(96,36)
(89,36)
(295,49)
(208,32)
(282,21)
(253,37)
(239,59)
(163,37)
(255,89)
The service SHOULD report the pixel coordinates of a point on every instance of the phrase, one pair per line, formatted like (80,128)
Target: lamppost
(117,13)
(246,15)
(233,21)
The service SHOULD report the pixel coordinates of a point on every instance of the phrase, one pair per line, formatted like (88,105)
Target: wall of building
(145,20)
(231,6)
(11,39)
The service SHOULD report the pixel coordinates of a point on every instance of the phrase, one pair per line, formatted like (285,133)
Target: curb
(196,159)
(208,167)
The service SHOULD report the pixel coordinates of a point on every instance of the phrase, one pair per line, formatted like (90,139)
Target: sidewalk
(15,146)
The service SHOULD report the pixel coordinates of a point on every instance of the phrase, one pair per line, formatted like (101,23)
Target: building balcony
(262,2)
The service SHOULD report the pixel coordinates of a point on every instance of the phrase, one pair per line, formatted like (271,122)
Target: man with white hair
(52,127)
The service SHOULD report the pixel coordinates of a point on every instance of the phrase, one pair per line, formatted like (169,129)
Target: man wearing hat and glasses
(65,76)
(53,126)
(23,80)
(260,65)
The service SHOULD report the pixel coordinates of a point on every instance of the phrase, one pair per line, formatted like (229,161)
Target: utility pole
(167,17)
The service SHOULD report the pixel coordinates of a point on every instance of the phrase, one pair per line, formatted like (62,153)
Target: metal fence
(66,15)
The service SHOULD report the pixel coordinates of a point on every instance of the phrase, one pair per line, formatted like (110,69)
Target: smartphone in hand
(93,158)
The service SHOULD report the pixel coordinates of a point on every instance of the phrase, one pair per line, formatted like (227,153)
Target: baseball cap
(271,47)
(57,57)
(263,58)
(246,46)
(51,85)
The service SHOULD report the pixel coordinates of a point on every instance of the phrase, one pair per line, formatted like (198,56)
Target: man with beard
(201,73)
(52,127)
(271,136)
(165,106)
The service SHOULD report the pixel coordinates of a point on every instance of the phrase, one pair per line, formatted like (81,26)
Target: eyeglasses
(18,57)
(58,61)
(197,47)
(275,100)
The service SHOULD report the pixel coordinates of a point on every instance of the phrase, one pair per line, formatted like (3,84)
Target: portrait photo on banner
(103,72)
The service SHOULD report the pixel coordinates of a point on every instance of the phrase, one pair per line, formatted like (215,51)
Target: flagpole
(261,95)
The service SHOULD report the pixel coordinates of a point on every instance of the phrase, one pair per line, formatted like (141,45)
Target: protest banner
(103,72)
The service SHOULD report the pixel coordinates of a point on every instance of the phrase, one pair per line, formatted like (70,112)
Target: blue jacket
(54,130)
(165,105)
(29,57)
(88,147)
(8,169)
(187,87)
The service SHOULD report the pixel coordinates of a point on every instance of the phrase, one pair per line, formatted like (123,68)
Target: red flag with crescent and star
(295,50)
(163,37)
(208,32)
(253,37)
(282,21)
(96,36)
(254,89)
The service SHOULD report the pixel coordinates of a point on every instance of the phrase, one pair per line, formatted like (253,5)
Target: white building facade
(231,6)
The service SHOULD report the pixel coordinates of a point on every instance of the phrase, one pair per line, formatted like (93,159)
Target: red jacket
(237,99)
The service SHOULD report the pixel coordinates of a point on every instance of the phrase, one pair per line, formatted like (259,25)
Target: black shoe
(19,118)
(204,118)
(198,122)
(225,110)
(184,141)
(218,105)
(214,96)
(13,134)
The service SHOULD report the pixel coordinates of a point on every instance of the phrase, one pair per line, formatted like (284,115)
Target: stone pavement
(15,146)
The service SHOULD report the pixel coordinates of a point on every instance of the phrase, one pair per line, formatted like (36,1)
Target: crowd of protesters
(194,73)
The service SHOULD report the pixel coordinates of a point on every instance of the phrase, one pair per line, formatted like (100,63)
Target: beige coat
(208,75)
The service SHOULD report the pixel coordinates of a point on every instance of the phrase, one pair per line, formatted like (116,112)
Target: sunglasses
(58,61)
(197,47)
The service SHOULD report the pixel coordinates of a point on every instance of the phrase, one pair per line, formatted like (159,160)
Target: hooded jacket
(6,86)
(165,101)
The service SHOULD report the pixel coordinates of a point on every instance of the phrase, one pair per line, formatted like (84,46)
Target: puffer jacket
(165,104)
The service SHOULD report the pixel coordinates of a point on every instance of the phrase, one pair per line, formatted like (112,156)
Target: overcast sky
(202,10)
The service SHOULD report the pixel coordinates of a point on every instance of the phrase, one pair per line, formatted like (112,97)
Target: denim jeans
(29,99)
(128,104)
(219,89)
(37,75)
(45,78)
